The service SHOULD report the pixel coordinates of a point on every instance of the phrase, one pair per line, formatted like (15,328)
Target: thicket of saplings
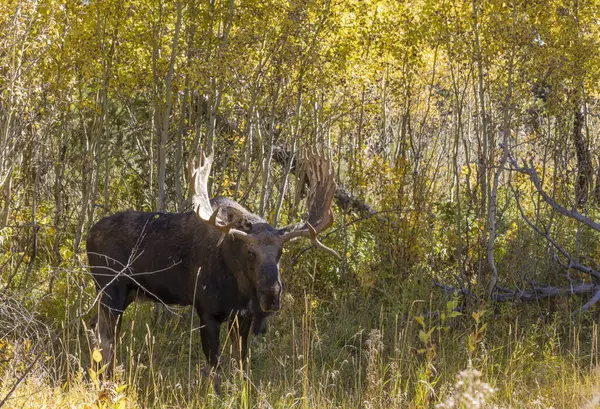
(371,330)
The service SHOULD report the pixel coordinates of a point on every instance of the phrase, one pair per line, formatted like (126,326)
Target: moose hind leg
(108,322)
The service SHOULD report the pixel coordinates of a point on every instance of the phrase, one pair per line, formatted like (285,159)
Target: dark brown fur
(174,259)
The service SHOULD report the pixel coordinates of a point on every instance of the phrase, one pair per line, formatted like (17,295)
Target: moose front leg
(209,334)
(239,328)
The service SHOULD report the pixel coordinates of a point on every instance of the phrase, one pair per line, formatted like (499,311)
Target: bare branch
(535,293)
(533,175)
(573,264)
(590,303)
(544,292)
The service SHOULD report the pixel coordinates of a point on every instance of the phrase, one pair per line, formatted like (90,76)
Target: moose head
(251,245)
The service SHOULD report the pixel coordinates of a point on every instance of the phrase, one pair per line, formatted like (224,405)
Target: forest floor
(342,354)
(348,353)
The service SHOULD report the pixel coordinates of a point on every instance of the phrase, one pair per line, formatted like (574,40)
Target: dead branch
(533,175)
(590,303)
(573,264)
(536,293)
(539,292)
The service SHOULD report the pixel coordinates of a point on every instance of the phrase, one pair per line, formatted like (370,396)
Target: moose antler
(198,177)
(321,180)
(198,180)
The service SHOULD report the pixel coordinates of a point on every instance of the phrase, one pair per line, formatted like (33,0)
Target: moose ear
(242,223)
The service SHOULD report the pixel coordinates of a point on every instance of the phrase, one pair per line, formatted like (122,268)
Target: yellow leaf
(101,370)
(93,375)
(97,356)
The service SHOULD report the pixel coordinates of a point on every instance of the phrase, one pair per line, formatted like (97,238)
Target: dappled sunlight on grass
(318,356)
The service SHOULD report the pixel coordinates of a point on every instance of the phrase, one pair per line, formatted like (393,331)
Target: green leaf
(451,305)
(423,336)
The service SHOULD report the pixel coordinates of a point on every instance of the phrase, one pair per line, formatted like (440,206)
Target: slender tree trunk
(165,121)
(157,110)
(34,208)
(106,171)
(459,96)
(7,193)
(585,170)
(284,183)
(295,135)
(179,202)
(92,143)
(493,199)
(267,158)
(86,181)
(187,96)
(597,188)
(484,132)
(383,135)
(59,171)
(457,171)
(6,141)
(7,161)
(95,174)
(218,84)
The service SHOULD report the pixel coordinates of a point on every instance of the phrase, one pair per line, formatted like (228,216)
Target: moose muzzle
(269,289)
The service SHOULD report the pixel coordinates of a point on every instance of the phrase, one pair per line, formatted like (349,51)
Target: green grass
(351,353)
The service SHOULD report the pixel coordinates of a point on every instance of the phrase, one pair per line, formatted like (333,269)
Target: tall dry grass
(350,353)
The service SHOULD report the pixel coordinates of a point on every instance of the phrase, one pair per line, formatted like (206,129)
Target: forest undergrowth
(355,352)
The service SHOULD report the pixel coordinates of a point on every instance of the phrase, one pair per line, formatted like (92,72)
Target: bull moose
(221,258)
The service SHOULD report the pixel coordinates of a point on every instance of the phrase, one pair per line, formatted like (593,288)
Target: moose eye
(251,255)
